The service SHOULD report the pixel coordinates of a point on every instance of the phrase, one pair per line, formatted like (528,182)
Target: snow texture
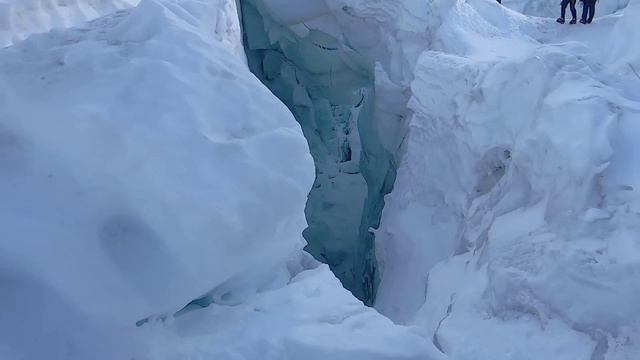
(21,18)
(513,225)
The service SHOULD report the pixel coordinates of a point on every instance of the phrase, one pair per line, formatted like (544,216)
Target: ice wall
(331,96)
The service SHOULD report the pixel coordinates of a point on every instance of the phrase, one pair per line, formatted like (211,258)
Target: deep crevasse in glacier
(323,61)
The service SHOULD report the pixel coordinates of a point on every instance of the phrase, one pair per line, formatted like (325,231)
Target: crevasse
(330,89)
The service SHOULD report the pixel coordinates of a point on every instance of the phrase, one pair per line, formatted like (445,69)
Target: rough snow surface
(513,225)
(21,18)
(313,317)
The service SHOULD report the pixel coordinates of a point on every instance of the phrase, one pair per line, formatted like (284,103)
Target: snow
(552,8)
(21,18)
(131,185)
(509,230)
(313,317)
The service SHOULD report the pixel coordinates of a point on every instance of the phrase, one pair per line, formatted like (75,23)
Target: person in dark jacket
(563,10)
(588,11)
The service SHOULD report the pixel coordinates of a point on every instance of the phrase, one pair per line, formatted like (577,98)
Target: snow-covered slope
(21,18)
(515,215)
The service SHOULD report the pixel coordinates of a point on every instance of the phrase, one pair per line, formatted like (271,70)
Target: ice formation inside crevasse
(332,95)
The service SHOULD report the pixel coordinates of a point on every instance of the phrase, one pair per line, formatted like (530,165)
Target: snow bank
(141,166)
(513,222)
(313,318)
(620,51)
(21,18)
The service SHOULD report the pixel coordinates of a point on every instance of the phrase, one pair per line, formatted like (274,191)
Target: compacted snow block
(141,166)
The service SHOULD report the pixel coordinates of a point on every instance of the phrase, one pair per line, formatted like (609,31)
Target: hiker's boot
(560,21)
(583,21)
(573,21)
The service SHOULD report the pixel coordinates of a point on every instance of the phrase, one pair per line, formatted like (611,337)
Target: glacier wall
(330,89)
(512,230)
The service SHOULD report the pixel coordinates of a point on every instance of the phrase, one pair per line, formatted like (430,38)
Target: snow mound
(21,18)
(141,166)
(313,317)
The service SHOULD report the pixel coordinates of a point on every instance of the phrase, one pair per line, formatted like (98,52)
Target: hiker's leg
(592,10)
(572,7)
(563,8)
(585,11)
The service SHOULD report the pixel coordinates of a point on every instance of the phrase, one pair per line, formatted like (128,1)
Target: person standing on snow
(588,11)
(563,10)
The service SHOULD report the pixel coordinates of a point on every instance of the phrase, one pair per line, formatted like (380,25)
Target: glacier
(463,176)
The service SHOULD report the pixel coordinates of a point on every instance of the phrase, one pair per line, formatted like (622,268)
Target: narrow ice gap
(332,96)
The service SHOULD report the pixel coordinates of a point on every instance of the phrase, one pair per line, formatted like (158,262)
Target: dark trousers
(572,7)
(588,10)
